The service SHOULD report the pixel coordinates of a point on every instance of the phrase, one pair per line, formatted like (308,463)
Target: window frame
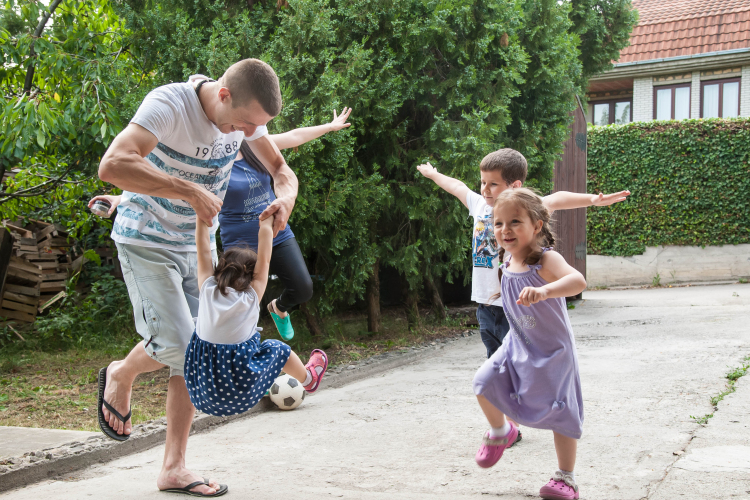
(721,83)
(673,87)
(612,103)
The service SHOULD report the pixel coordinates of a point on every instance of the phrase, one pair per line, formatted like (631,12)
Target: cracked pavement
(649,359)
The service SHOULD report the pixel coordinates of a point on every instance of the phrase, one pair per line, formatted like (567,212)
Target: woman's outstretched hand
(112,200)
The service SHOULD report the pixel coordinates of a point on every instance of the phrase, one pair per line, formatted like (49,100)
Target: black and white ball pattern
(287,392)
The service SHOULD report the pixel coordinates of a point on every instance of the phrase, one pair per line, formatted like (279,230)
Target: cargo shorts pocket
(147,320)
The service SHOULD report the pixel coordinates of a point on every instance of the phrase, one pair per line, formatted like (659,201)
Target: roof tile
(669,28)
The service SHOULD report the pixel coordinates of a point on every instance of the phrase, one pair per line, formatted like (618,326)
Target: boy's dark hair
(510,163)
(235,269)
(253,79)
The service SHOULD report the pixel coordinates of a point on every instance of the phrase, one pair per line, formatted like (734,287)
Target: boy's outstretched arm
(299,136)
(263,263)
(565,200)
(203,249)
(453,186)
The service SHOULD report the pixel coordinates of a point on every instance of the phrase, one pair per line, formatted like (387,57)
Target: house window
(672,102)
(614,111)
(720,98)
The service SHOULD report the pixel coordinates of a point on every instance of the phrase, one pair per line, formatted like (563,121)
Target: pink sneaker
(317,359)
(560,487)
(492,448)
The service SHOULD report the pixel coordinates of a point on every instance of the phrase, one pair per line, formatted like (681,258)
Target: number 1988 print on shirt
(484,246)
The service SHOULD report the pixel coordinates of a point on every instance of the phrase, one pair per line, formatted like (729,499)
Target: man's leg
(120,377)
(164,292)
(180,412)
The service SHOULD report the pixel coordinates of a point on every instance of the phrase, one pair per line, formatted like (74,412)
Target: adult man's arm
(124,166)
(284,182)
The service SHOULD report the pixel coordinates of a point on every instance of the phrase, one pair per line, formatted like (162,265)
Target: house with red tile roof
(686,59)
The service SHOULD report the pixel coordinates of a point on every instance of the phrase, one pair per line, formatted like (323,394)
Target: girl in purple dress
(533,378)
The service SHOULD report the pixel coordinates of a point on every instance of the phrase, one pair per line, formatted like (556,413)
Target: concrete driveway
(649,360)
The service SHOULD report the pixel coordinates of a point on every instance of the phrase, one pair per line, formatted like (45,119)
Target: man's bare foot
(117,393)
(272,307)
(181,477)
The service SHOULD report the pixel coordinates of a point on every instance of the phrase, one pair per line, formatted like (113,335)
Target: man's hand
(206,204)
(531,295)
(603,200)
(339,121)
(427,170)
(279,210)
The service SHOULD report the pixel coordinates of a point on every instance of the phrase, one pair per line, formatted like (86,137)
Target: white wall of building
(672,264)
(643,99)
(745,92)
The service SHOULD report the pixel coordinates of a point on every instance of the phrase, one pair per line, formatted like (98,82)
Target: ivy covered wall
(690,184)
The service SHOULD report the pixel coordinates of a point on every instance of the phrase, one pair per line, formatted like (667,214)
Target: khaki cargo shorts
(163,288)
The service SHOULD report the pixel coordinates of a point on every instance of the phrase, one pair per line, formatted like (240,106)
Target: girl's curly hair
(235,269)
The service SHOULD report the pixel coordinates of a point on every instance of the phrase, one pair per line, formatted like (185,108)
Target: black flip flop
(223,488)
(104,424)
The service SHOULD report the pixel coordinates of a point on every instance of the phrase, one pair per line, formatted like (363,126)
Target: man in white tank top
(173,163)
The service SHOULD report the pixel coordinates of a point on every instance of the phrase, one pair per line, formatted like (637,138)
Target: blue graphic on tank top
(484,248)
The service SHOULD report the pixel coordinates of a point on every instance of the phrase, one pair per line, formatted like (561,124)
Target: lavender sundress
(533,377)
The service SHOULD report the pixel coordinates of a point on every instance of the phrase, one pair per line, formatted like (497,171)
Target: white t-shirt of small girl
(230,319)
(484,252)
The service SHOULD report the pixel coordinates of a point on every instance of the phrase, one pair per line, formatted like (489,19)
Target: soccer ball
(287,392)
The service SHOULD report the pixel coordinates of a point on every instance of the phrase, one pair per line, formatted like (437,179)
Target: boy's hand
(603,200)
(427,170)
(531,295)
(339,121)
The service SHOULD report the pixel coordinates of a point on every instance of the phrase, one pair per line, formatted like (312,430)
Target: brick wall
(643,99)
(695,95)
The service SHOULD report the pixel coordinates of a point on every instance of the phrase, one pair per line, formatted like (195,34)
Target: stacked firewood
(41,260)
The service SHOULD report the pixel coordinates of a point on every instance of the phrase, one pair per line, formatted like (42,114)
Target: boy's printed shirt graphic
(484,248)
(485,253)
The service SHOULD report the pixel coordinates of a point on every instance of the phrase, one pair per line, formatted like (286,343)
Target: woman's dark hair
(251,159)
(235,269)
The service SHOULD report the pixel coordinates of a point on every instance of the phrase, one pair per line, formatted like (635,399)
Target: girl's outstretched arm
(203,248)
(563,281)
(299,136)
(265,246)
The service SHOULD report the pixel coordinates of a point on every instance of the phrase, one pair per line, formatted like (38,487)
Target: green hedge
(690,184)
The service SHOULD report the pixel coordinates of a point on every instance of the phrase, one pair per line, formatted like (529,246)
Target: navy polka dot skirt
(227,379)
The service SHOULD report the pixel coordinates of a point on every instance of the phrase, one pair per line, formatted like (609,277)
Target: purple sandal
(492,448)
(560,487)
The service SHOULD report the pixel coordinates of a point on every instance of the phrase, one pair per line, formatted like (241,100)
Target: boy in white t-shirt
(500,170)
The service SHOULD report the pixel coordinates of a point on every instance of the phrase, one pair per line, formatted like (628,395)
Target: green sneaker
(283,325)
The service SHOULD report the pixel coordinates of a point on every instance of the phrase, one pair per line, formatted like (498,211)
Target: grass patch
(732,377)
(53,385)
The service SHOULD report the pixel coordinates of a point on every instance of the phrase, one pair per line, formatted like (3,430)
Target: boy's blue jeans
(493,327)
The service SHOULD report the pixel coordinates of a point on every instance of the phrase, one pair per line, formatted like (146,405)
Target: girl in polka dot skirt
(227,368)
